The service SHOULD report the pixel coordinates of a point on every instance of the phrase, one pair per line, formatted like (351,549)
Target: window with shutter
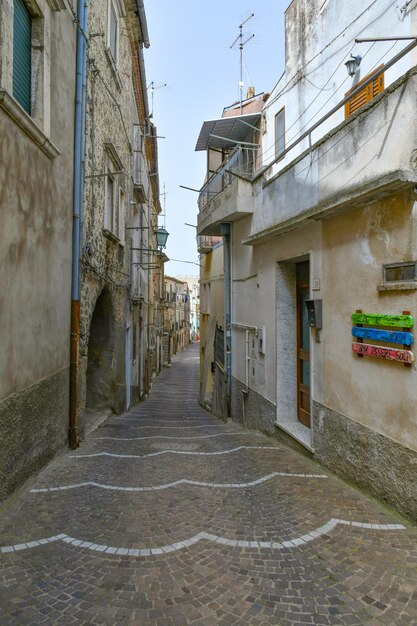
(112,36)
(279,133)
(22,54)
(364,95)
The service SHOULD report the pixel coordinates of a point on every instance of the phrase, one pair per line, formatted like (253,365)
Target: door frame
(301,353)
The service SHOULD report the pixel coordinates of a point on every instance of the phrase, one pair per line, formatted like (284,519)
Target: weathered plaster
(350,283)
(35,257)
(373,461)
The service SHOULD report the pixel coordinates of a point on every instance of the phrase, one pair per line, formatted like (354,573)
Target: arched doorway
(101,351)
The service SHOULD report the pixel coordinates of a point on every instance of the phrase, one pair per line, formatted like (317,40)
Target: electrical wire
(349,130)
(297,76)
(117,106)
(89,267)
(294,137)
(272,147)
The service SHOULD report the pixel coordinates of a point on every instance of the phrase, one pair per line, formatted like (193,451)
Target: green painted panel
(378,319)
(22,53)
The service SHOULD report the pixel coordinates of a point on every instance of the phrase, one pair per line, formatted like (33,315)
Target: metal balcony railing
(205,243)
(139,169)
(241,161)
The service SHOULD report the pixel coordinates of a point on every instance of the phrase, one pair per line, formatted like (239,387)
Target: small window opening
(400,272)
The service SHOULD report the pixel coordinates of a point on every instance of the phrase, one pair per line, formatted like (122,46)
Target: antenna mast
(241,46)
(152,87)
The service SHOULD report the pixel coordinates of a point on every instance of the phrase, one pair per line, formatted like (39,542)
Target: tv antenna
(152,88)
(164,196)
(242,43)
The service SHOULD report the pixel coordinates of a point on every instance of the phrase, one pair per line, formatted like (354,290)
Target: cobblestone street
(168,516)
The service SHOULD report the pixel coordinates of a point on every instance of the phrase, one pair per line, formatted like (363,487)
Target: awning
(227,131)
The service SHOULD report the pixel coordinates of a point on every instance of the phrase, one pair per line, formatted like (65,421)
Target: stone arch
(100,379)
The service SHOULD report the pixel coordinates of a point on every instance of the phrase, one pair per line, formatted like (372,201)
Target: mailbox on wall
(315,317)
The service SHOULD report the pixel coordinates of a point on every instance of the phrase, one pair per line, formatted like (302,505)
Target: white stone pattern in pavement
(145,456)
(177,427)
(172,437)
(182,481)
(233,543)
(139,420)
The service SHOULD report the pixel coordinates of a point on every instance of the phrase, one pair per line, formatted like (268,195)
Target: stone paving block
(167,515)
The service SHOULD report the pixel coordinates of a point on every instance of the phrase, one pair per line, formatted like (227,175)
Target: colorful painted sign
(393,354)
(392,336)
(378,319)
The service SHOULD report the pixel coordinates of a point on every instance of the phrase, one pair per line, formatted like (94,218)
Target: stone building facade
(79,198)
(176,317)
(193,283)
(36,177)
(121,207)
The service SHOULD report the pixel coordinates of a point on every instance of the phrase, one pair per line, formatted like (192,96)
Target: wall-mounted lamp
(161,237)
(353,64)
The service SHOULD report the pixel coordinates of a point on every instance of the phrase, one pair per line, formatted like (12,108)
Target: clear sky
(190,52)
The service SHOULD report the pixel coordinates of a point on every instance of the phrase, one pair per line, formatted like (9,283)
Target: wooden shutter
(364,95)
(22,52)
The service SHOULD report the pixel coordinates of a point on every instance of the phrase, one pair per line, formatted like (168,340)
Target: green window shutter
(22,53)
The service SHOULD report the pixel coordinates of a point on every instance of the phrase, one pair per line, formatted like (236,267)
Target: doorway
(100,367)
(303,342)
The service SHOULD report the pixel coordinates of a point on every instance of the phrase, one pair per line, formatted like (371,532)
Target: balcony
(205,243)
(139,169)
(365,158)
(227,195)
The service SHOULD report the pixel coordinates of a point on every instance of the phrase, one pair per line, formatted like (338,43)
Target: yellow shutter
(364,95)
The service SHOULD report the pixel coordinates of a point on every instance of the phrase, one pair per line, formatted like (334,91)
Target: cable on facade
(88,267)
(117,106)
(273,146)
(317,159)
(268,104)
(294,137)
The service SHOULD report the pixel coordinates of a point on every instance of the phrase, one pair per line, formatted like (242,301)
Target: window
(27,33)
(400,272)
(364,95)
(120,212)
(279,133)
(114,195)
(113,30)
(22,55)
(109,201)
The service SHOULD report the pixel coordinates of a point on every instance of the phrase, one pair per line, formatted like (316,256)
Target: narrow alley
(166,515)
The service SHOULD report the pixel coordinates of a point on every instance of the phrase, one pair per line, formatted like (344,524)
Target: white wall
(319,40)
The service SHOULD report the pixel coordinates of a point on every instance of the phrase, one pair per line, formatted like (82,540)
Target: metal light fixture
(353,64)
(161,237)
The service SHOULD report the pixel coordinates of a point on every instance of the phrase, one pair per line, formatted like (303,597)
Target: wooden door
(303,344)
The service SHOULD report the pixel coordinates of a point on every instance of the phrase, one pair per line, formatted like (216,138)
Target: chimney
(251,92)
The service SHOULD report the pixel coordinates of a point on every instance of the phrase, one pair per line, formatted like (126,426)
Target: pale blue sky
(190,52)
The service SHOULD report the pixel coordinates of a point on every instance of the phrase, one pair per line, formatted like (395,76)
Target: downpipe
(78,193)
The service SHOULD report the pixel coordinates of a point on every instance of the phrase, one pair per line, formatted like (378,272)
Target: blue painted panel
(406,339)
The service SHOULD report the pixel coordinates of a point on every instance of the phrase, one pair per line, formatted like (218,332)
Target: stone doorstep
(297,431)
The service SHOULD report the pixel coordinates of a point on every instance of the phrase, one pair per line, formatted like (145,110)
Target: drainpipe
(78,192)
(225,231)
